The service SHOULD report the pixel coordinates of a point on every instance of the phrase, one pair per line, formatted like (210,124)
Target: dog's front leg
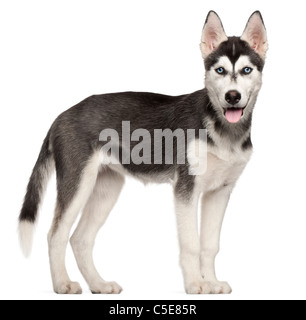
(187,222)
(213,209)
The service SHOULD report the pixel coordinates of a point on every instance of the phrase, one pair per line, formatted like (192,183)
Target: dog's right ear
(213,34)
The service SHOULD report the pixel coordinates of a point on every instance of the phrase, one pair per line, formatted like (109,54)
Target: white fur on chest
(224,166)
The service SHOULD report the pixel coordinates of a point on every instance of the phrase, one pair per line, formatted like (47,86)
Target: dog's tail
(36,187)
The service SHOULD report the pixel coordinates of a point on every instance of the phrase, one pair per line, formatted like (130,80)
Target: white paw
(218,287)
(197,287)
(106,288)
(68,288)
(208,287)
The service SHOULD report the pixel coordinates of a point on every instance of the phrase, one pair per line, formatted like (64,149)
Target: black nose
(232,97)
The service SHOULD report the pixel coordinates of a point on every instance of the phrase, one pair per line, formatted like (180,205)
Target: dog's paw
(197,287)
(218,287)
(106,288)
(68,288)
(208,287)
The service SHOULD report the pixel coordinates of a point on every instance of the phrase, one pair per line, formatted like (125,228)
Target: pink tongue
(233,115)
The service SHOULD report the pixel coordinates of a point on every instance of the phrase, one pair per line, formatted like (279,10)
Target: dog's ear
(255,34)
(213,34)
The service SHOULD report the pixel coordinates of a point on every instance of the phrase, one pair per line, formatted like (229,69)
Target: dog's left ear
(255,34)
(213,34)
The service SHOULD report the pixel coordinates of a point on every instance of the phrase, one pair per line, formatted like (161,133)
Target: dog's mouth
(233,115)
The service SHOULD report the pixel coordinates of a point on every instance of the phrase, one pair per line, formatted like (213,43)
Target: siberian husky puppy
(93,145)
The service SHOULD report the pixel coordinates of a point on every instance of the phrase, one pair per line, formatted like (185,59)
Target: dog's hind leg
(95,213)
(74,189)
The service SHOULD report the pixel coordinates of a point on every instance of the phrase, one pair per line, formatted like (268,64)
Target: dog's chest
(223,169)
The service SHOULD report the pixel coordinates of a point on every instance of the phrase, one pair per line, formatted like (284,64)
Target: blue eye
(220,70)
(247,70)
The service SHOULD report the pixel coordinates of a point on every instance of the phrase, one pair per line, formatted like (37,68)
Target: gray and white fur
(224,108)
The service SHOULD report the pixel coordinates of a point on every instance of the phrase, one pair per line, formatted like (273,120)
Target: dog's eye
(220,70)
(247,70)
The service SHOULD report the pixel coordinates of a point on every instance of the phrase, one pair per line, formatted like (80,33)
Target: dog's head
(234,66)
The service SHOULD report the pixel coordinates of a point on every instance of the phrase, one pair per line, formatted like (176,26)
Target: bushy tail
(36,187)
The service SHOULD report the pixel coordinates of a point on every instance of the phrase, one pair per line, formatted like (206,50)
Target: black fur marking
(247,144)
(210,140)
(241,48)
(35,186)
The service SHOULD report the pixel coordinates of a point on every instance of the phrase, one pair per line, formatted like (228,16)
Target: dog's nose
(232,97)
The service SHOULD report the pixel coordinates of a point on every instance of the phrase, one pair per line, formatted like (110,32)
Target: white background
(56,53)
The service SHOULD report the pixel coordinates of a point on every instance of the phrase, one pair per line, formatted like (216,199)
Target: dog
(93,146)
